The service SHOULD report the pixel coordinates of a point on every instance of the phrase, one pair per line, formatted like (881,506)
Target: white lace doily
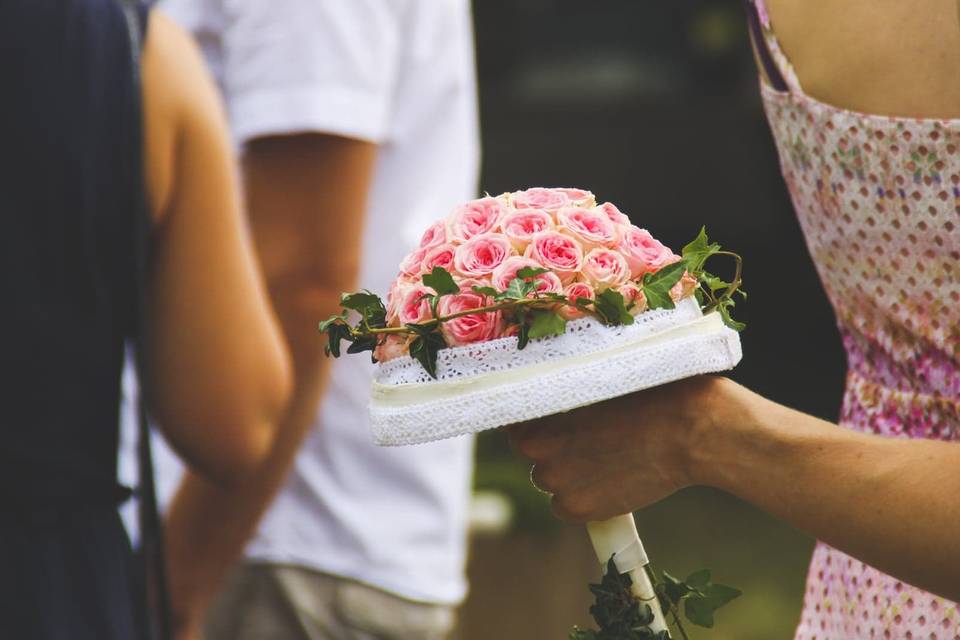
(492,384)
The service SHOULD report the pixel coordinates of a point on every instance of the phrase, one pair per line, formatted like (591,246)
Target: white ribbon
(632,556)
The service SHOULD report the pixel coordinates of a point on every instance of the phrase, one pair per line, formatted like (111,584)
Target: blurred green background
(653,106)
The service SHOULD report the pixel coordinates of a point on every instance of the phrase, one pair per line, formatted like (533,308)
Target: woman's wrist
(730,420)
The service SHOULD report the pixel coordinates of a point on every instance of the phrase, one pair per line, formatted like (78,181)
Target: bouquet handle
(618,537)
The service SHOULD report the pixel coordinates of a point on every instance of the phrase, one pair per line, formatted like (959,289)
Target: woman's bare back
(885,57)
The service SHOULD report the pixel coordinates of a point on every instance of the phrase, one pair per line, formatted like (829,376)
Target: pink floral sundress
(878,199)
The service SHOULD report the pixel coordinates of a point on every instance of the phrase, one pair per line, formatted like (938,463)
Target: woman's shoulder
(180,99)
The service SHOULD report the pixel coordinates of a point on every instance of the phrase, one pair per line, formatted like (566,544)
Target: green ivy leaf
(518,289)
(699,612)
(722,594)
(531,272)
(674,589)
(698,579)
(713,282)
(325,324)
(441,281)
(696,253)
(699,244)
(656,286)
(611,307)
(523,338)
(657,299)
(547,323)
(645,618)
(665,278)
(335,334)
(485,291)
(425,347)
(360,301)
(724,310)
(366,343)
(423,329)
(699,607)
(369,305)
(620,616)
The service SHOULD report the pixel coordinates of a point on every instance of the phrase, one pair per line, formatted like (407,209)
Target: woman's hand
(618,456)
(892,503)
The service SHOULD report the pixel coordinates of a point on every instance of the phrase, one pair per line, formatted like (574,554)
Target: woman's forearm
(894,504)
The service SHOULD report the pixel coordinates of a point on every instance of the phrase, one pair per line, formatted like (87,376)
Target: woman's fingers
(540,439)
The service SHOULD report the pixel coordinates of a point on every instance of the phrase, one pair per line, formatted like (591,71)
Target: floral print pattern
(878,199)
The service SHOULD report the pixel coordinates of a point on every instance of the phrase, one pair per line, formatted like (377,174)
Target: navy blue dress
(68,230)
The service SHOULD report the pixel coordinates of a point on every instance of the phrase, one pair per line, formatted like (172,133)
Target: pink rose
(573,293)
(589,226)
(475,218)
(539,198)
(633,298)
(684,288)
(557,252)
(613,213)
(394,295)
(506,272)
(439,256)
(481,254)
(520,225)
(392,347)
(604,269)
(468,329)
(467,284)
(413,307)
(579,197)
(435,235)
(644,254)
(412,265)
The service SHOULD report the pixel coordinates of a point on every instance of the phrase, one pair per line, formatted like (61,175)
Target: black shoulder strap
(770,66)
(155,604)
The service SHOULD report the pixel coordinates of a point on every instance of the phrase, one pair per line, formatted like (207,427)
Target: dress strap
(155,608)
(775,65)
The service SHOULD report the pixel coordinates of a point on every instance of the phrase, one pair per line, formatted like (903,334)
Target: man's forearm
(298,188)
(891,503)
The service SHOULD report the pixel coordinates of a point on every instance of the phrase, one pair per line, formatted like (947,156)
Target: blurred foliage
(498,469)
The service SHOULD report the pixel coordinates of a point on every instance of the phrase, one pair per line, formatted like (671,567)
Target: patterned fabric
(878,199)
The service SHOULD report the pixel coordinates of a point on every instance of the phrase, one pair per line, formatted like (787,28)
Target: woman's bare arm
(894,504)
(219,377)
(307,198)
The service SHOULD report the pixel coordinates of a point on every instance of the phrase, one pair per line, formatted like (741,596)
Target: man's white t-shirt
(399,73)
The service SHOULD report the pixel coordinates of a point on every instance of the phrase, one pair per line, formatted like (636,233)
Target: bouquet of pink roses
(543,289)
(576,258)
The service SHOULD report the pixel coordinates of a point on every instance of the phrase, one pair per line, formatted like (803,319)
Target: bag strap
(770,66)
(155,596)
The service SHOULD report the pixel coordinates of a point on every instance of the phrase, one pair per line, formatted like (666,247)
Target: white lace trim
(586,335)
(563,378)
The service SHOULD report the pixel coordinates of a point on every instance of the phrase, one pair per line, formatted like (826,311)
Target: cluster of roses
(586,248)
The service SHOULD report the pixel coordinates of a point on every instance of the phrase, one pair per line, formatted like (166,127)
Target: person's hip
(283,602)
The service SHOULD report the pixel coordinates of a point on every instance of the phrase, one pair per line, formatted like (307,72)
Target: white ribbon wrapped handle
(618,537)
